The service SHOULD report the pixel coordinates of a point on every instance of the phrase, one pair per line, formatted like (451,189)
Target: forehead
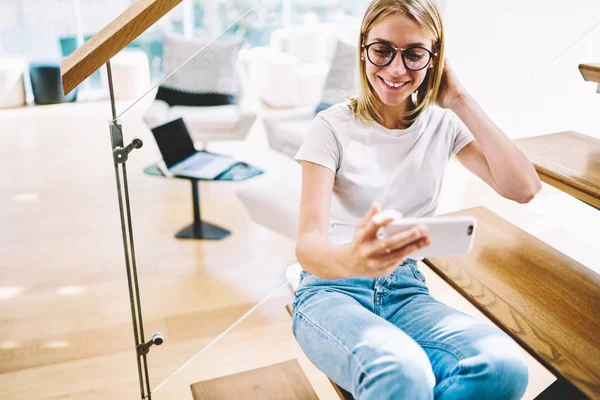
(400,30)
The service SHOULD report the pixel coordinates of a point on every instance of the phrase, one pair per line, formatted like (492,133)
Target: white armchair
(211,123)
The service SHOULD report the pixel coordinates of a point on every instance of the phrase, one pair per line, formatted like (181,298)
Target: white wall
(498,46)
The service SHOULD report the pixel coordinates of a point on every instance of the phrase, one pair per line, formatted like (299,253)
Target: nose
(397,68)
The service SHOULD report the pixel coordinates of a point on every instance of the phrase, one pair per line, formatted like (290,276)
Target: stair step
(569,161)
(285,380)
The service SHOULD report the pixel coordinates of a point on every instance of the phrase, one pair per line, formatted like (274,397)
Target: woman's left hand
(451,93)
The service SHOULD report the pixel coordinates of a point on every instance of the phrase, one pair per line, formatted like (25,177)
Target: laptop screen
(174,142)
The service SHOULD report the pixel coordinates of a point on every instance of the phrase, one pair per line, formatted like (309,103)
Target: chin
(392,100)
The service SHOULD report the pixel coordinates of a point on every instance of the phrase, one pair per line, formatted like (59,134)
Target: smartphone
(450,236)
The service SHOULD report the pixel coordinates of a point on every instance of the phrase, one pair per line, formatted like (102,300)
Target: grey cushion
(213,70)
(342,78)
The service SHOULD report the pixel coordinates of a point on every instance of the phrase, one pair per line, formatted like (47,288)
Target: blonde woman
(363,313)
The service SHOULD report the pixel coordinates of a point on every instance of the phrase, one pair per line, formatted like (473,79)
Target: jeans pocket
(417,273)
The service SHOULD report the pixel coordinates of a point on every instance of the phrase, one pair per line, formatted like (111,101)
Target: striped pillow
(342,79)
(208,79)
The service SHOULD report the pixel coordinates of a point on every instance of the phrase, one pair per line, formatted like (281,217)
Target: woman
(362,313)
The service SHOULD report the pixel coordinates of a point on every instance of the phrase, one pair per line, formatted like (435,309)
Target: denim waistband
(408,262)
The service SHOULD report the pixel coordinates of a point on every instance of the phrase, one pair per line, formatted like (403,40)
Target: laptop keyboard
(196,164)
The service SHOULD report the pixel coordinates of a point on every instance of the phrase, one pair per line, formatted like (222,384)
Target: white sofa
(290,76)
(292,70)
(12,83)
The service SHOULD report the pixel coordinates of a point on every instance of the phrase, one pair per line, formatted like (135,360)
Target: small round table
(200,229)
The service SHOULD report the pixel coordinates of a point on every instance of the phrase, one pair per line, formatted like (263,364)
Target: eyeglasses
(415,58)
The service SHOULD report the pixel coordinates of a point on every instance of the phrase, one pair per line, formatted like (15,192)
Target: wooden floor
(65,323)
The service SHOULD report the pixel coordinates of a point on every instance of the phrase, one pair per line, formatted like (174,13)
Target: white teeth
(394,85)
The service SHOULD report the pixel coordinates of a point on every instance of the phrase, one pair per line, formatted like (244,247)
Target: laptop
(180,155)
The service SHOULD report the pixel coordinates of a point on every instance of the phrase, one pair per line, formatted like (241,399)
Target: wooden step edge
(590,72)
(590,196)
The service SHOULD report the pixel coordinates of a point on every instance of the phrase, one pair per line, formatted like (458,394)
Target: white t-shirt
(401,169)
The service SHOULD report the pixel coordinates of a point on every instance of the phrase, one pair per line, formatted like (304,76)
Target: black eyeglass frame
(432,55)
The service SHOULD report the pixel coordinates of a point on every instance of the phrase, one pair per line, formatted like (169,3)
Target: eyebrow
(393,45)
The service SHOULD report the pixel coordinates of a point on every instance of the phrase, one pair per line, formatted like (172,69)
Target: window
(328,11)
(211,17)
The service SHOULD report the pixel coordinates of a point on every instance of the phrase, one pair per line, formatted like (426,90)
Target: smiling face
(394,83)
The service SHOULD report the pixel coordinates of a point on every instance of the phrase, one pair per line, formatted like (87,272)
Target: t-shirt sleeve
(321,145)
(462,135)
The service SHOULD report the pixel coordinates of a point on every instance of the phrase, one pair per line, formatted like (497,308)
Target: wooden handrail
(104,45)
(590,72)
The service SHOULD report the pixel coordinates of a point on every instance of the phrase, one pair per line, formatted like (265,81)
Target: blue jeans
(388,338)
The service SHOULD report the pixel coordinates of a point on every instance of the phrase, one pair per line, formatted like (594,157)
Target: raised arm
(493,156)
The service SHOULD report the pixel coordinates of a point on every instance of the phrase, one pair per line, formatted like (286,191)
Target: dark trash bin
(46,84)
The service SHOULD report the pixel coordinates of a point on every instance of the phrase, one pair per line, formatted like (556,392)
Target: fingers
(385,265)
(390,261)
(401,239)
(378,247)
(375,208)
(413,247)
(376,222)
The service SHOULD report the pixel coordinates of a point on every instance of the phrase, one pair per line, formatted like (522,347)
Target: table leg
(200,229)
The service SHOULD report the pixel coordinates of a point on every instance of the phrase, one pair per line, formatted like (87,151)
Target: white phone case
(450,236)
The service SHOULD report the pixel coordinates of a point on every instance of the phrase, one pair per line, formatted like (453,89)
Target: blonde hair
(427,15)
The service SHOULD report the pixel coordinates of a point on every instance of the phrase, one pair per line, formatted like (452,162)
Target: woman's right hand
(372,257)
